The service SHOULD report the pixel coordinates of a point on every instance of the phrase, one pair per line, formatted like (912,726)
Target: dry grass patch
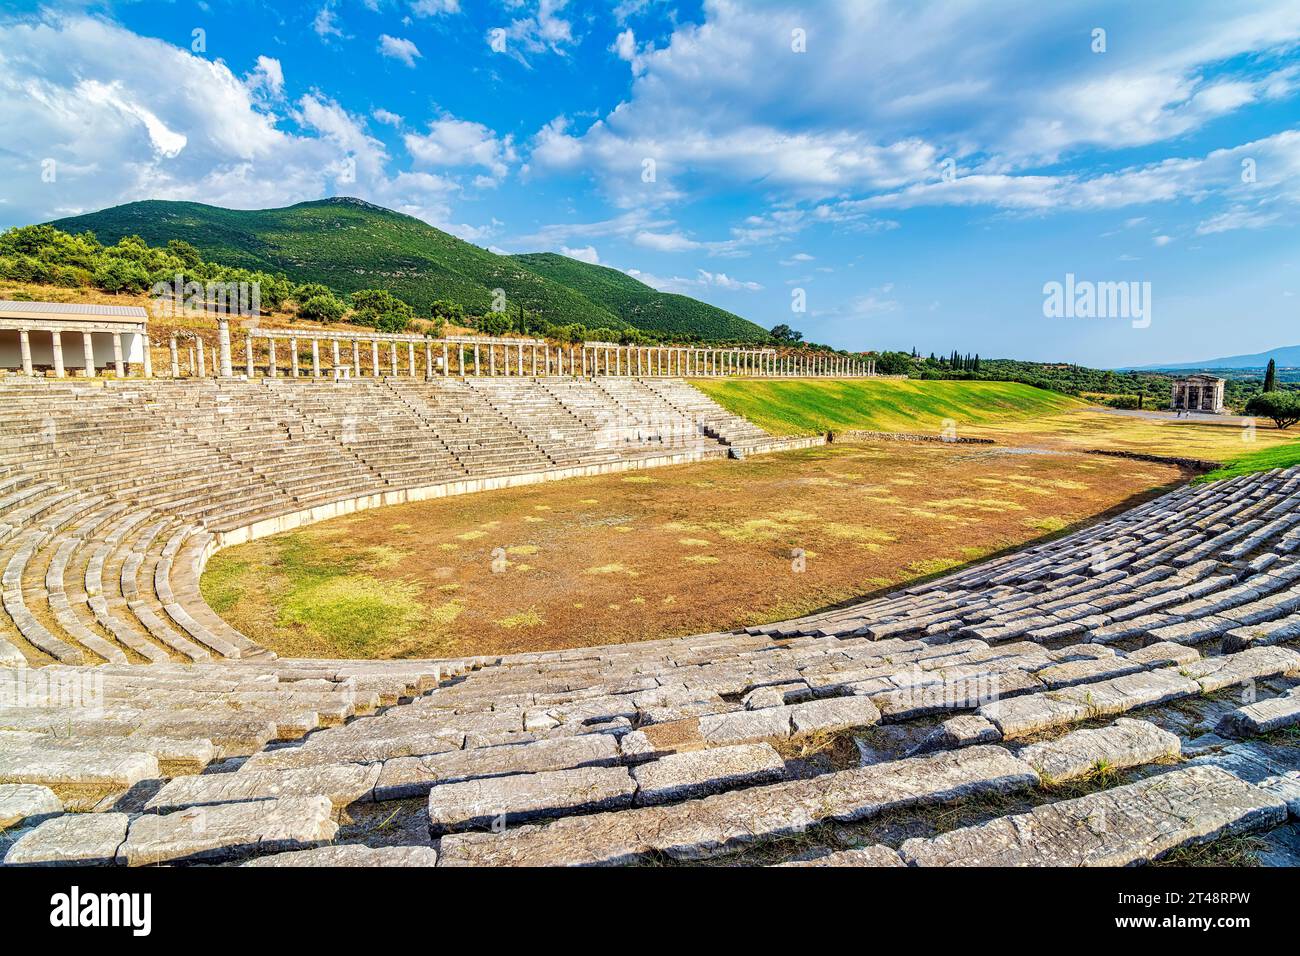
(701,547)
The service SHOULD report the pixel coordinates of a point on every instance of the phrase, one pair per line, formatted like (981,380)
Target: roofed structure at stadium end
(57,337)
(1198,393)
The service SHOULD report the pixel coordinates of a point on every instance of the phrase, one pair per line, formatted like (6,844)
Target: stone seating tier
(1115,645)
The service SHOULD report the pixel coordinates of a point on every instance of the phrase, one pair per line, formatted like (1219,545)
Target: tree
(494,323)
(1270,376)
(1282,407)
(321,308)
(451,312)
(785,335)
(381,310)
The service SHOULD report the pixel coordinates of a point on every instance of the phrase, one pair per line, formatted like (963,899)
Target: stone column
(248,353)
(223,348)
(392,358)
(88,353)
(428,360)
(293,358)
(334,352)
(584,361)
(56,348)
(356,358)
(476,362)
(25,348)
(315,358)
(148,357)
(176,358)
(410,358)
(374,356)
(203,363)
(119,364)
(446,361)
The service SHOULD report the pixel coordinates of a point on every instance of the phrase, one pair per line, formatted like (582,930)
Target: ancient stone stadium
(1121,694)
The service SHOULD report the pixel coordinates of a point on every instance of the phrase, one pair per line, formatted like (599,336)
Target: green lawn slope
(1266,459)
(808,406)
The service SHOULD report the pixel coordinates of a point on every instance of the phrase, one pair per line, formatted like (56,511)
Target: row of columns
(361,355)
(87,352)
(379,356)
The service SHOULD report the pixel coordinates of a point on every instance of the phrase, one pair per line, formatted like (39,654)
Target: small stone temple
(1198,393)
(58,337)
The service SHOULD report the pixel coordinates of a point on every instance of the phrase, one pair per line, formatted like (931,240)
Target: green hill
(640,305)
(348,245)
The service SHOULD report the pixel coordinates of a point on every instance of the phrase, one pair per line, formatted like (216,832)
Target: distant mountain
(637,303)
(1287,357)
(349,244)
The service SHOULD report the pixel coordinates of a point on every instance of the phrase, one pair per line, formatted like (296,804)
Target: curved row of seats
(112,492)
(1136,667)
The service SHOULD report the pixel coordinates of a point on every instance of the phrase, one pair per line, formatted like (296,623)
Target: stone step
(24,801)
(504,801)
(1131,824)
(1125,743)
(404,777)
(228,830)
(351,855)
(342,785)
(1262,717)
(702,772)
(696,829)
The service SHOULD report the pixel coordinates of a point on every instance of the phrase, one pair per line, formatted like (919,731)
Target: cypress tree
(1270,377)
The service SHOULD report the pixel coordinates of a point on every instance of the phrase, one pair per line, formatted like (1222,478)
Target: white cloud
(724,281)
(399,48)
(452,142)
(887,92)
(544,31)
(433,8)
(326,23)
(386,117)
(268,75)
(1237,218)
(665,241)
(582,254)
(71,90)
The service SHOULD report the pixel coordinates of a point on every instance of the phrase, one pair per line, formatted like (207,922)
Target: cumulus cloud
(187,128)
(582,254)
(399,48)
(886,93)
(452,142)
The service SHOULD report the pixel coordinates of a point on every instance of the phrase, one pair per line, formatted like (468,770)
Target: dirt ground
(666,552)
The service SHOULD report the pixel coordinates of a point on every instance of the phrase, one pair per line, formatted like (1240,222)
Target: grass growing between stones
(703,547)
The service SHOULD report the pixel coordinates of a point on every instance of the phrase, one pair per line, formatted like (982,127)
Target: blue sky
(918,171)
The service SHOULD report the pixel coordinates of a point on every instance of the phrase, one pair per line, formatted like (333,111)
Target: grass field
(1086,429)
(1277,456)
(667,552)
(808,406)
